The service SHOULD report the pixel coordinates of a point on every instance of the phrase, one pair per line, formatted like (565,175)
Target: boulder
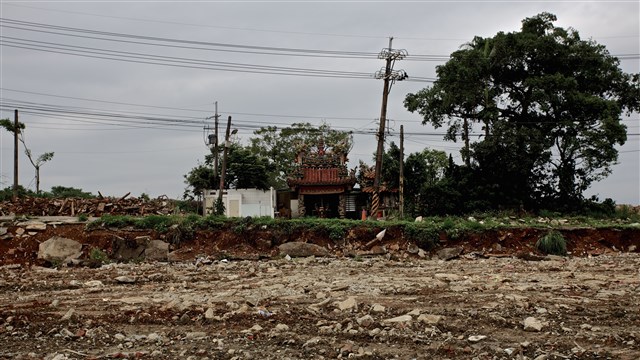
(449,253)
(59,249)
(126,249)
(157,250)
(300,249)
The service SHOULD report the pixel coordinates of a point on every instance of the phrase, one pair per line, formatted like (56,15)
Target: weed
(426,237)
(552,243)
(160,223)
(98,255)
(83,217)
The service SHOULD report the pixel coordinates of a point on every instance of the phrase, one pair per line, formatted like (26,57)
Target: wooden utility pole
(15,155)
(401,191)
(389,76)
(224,159)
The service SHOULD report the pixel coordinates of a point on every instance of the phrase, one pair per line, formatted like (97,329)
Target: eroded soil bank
(232,296)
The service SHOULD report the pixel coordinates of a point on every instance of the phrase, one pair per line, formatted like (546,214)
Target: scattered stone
(365,321)
(476,338)
(447,254)
(282,328)
(125,279)
(3,231)
(301,249)
(632,248)
(413,249)
(209,314)
(68,315)
(532,324)
(377,308)
(349,304)
(59,249)
(94,283)
(430,319)
(34,226)
(399,319)
(196,335)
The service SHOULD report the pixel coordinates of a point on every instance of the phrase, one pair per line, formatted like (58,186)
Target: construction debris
(32,206)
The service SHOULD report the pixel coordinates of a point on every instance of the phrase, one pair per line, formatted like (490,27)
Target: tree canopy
(550,105)
(279,145)
(245,169)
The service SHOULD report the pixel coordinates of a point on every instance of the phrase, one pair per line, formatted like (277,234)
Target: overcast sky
(126,113)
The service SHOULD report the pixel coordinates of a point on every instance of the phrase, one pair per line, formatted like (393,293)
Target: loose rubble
(326,308)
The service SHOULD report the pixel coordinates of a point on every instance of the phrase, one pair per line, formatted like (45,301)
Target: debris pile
(33,206)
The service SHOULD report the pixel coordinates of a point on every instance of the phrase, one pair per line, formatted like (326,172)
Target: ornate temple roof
(320,166)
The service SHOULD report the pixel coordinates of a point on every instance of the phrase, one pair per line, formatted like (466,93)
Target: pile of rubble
(32,206)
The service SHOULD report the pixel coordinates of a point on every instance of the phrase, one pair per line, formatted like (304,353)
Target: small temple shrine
(321,180)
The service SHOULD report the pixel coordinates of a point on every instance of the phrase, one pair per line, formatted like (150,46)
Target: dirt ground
(490,303)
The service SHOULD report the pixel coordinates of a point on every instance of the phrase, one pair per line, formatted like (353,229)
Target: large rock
(59,249)
(157,250)
(300,249)
(126,249)
(449,253)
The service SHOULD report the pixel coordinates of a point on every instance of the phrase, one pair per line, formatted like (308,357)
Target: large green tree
(422,170)
(550,103)
(245,169)
(280,145)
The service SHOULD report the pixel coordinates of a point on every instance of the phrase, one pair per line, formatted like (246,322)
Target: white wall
(253,202)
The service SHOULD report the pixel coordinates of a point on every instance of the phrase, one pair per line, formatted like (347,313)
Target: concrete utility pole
(215,144)
(401,204)
(224,159)
(15,155)
(389,76)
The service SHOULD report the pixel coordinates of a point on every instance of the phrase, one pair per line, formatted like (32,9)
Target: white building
(242,202)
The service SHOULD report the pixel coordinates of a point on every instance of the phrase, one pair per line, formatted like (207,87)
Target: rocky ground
(326,308)
(231,295)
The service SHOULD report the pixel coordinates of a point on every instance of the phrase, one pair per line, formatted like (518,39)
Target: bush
(160,223)
(425,237)
(98,255)
(552,243)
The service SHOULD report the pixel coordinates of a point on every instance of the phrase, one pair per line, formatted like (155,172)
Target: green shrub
(160,223)
(116,221)
(83,217)
(552,243)
(426,237)
(98,255)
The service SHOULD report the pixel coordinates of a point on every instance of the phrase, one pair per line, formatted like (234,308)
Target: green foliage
(160,223)
(552,243)
(218,207)
(69,192)
(114,221)
(145,196)
(9,125)
(98,255)
(280,146)
(83,217)
(425,236)
(550,105)
(6,194)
